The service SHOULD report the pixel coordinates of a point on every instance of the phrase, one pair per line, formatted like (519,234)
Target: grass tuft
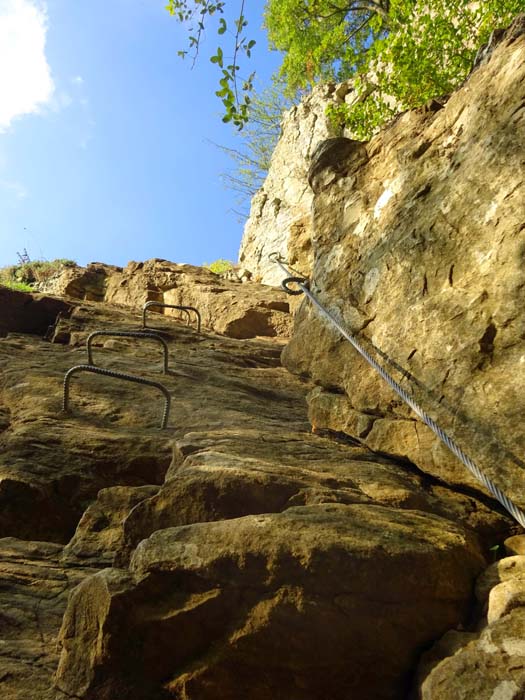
(27,276)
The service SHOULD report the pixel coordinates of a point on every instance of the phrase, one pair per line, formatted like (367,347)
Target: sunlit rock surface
(258,547)
(226,305)
(300,532)
(419,248)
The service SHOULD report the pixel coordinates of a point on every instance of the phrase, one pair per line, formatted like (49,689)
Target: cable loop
(276,257)
(505,501)
(296,280)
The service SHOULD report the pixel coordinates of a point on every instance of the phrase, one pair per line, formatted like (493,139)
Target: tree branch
(239,25)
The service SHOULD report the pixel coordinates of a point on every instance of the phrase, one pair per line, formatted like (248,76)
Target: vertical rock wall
(419,246)
(280,212)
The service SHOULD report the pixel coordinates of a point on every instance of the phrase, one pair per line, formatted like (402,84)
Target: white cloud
(77,80)
(14,188)
(25,77)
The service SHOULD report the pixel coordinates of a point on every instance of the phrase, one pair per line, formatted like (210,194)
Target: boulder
(325,601)
(491,667)
(505,597)
(507,569)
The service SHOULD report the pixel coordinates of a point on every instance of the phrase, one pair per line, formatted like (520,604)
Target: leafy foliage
(234,91)
(425,54)
(220,266)
(323,39)
(401,52)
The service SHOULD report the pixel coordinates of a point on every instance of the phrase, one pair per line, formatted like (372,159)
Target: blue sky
(105,133)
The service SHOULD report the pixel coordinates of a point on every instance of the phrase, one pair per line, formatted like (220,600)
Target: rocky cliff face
(280,212)
(239,553)
(234,553)
(227,306)
(419,243)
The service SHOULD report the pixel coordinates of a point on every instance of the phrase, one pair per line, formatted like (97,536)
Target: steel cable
(505,501)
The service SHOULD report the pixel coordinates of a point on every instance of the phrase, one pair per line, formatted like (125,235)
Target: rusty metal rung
(127,334)
(117,375)
(187,309)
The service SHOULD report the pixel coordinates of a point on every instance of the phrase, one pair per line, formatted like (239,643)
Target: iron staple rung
(128,334)
(505,501)
(117,375)
(187,309)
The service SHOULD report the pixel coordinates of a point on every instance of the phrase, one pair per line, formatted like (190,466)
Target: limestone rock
(52,464)
(99,533)
(334,574)
(238,447)
(505,569)
(334,412)
(515,544)
(491,667)
(87,283)
(280,211)
(97,463)
(505,597)
(238,312)
(213,478)
(33,595)
(451,642)
(420,252)
(334,159)
(244,555)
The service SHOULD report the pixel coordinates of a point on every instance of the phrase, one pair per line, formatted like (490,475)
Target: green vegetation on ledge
(26,276)
(17,286)
(220,266)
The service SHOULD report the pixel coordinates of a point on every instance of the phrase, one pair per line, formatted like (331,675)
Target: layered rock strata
(234,553)
(419,240)
(226,306)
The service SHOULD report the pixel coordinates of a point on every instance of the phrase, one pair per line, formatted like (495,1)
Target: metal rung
(127,334)
(117,375)
(187,309)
